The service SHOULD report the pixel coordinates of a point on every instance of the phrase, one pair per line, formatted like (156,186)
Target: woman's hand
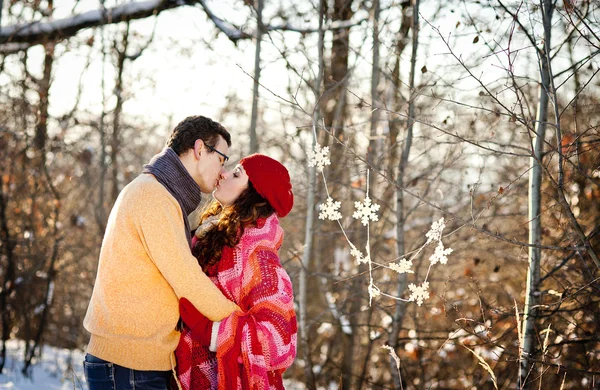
(200,326)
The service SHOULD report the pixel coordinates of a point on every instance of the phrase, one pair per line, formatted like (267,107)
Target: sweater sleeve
(263,338)
(160,222)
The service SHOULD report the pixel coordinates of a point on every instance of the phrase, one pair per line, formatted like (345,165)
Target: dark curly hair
(184,135)
(229,228)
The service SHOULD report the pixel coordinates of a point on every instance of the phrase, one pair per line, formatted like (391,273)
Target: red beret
(271,180)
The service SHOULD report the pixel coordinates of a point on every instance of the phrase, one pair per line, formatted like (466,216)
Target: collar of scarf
(168,169)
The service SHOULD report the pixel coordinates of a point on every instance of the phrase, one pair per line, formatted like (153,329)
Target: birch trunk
(373,139)
(535,198)
(254,118)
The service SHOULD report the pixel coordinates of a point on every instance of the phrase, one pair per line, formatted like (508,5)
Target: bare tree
(256,78)
(400,309)
(310,216)
(535,203)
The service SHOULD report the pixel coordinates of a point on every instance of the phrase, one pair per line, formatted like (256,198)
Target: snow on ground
(58,369)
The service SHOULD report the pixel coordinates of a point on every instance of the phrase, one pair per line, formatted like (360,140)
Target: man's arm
(163,233)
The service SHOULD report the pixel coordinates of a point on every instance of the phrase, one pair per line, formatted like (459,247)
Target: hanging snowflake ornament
(440,255)
(419,293)
(319,157)
(366,211)
(374,291)
(403,267)
(435,233)
(329,210)
(360,259)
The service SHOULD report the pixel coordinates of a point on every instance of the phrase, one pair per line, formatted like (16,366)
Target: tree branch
(19,37)
(56,30)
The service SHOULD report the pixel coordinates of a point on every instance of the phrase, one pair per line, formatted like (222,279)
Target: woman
(237,246)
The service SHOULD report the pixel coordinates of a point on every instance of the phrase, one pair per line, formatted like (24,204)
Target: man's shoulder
(145,183)
(147,187)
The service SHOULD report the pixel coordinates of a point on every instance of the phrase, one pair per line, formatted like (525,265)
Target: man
(146,264)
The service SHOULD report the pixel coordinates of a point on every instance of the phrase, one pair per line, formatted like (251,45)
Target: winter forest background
(483,112)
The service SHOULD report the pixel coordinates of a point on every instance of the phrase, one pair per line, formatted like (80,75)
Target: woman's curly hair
(230,224)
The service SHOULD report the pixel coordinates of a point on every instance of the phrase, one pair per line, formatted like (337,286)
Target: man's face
(210,166)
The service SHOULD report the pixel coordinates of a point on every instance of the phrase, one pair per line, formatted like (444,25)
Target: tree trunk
(402,283)
(115,143)
(374,137)
(335,111)
(367,359)
(41,131)
(254,118)
(310,217)
(535,200)
(100,212)
(47,298)
(335,91)
(9,276)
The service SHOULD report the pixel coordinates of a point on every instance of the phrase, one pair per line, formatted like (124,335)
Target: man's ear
(198,146)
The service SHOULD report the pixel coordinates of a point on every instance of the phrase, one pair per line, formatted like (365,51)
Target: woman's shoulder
(264,229)
(269,223)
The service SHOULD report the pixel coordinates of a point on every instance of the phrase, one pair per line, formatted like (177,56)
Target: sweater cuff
(213,336)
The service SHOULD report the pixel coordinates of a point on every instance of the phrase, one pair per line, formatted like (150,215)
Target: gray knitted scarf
(170,172)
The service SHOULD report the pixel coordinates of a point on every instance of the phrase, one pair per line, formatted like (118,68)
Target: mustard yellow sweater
(145,267)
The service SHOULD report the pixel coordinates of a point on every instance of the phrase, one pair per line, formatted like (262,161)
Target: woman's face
(231,185)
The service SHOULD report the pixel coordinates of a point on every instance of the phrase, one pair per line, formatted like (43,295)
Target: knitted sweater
(256,345)
(145,266)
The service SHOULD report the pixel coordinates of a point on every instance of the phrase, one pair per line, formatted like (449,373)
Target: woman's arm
(263,338)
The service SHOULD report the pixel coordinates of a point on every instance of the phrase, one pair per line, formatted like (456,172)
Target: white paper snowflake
(319,157)
(360,259)
(419,293)
(435,233)
(366,210)
(329,210)
(403,267)
(440,254)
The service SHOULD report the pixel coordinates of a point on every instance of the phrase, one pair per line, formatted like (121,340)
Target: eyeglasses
(225,157)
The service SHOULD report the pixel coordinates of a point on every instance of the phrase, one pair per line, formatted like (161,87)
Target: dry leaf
(484,364)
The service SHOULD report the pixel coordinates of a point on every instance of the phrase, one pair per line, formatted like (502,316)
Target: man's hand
(200,326)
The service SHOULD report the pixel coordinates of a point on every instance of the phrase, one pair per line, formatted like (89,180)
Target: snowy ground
(59,369)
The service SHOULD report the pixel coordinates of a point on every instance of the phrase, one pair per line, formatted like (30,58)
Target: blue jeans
(103,375)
